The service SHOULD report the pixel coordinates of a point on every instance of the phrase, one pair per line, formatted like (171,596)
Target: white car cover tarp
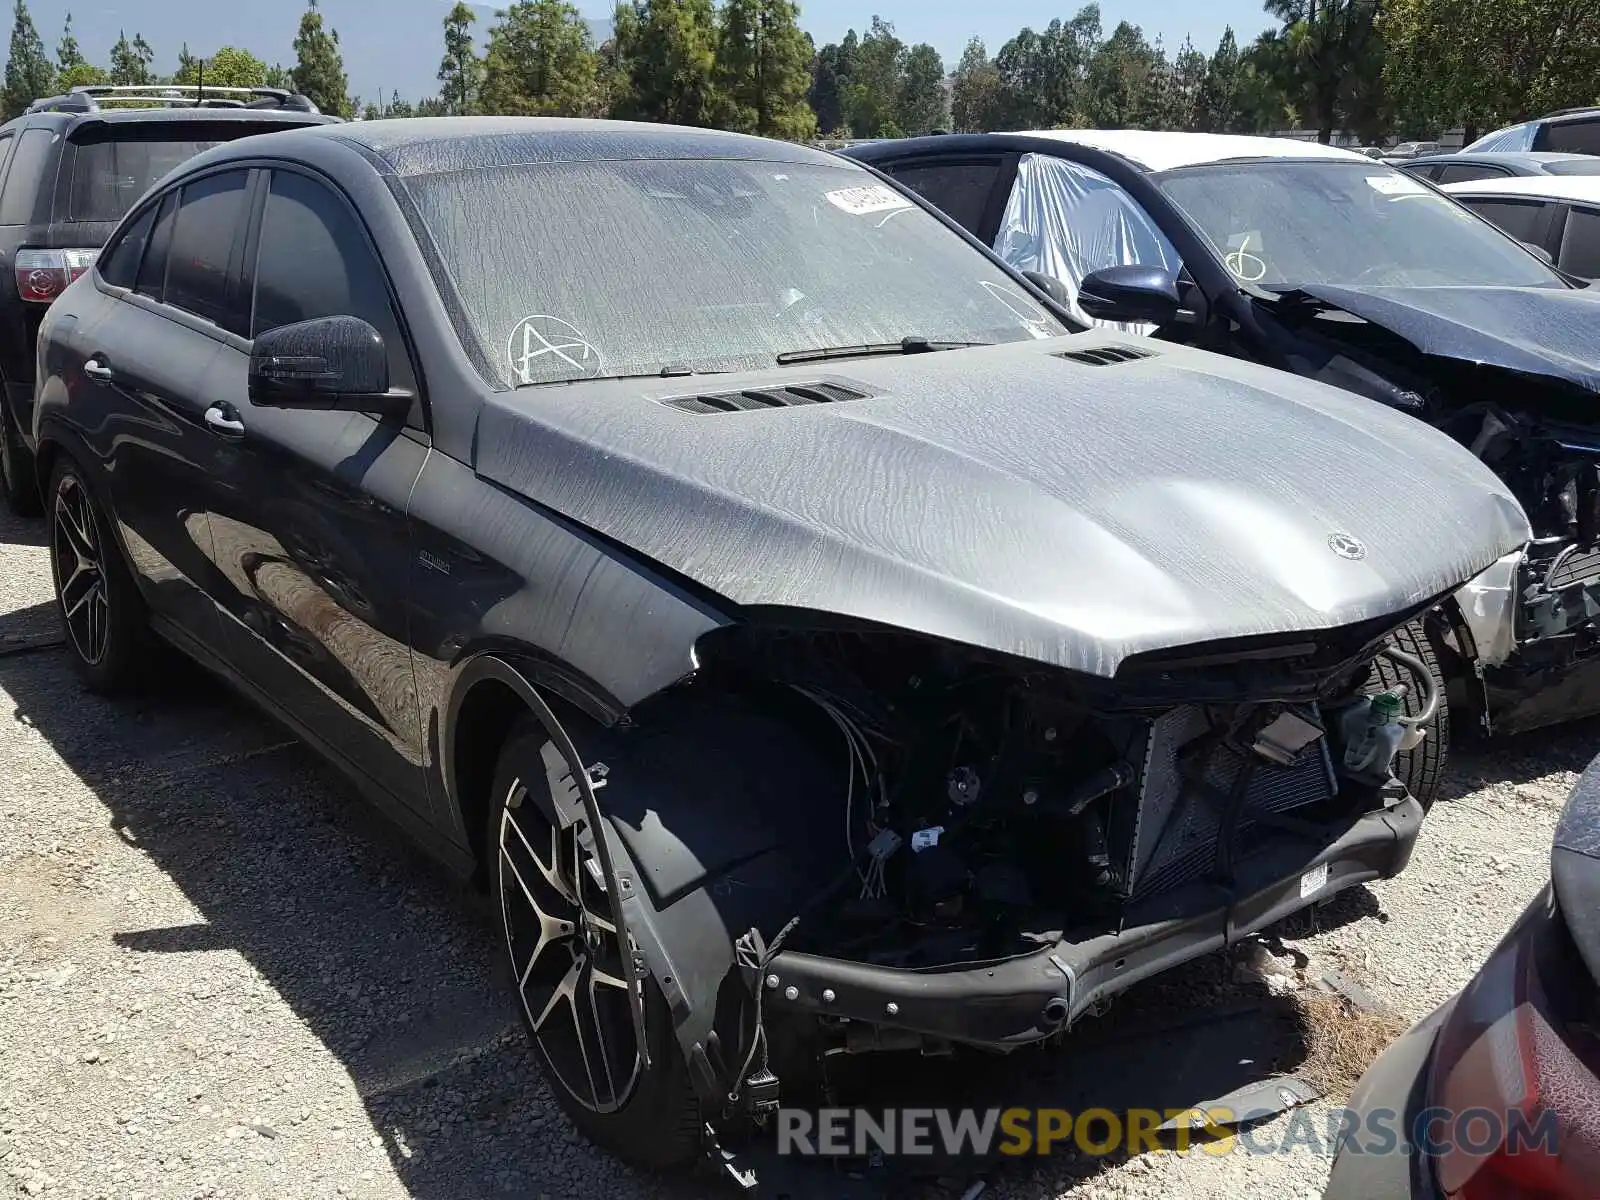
(1067,220)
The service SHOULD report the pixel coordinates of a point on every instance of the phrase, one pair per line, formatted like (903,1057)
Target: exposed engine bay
(1540,435)
(989,807)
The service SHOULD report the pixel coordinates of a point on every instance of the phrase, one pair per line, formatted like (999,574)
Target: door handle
(224,422)
(98,371)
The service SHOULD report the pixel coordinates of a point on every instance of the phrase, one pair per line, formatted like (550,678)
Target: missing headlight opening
(984,808)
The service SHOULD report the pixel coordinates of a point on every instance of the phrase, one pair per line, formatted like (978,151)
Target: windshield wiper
(906,345)
(672,371)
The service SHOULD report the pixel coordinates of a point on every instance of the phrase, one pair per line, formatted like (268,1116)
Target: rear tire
(104,622)
(19,477)
(654,1120)
(1421,768)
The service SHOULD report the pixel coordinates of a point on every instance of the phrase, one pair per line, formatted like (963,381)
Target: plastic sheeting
(1067,221)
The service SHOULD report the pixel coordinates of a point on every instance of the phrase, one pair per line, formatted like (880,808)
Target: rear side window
(314,261)
(119,266)
(1574,137)
(8,143)
(1580,244)
(211,215)
(1463,172)
(109,174)
(1525,220)
(153,270)
(32,155)
(1428,172)
(960,190)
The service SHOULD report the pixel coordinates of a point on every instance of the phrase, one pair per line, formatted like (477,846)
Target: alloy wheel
(80,575)
(567,958)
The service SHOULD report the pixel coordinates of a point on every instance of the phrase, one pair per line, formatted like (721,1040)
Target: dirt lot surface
(221,976)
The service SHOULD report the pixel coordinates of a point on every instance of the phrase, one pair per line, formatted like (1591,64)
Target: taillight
(42,275)
(1514,1094)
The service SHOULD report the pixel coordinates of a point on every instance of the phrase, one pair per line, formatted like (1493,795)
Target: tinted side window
(1575,137)
(1580,244)
(211,214)
(1525,220)
(960,190)
(153,270)
(1429,172)
(119,265)
(314,261)
(28,164)
(8,143)
(1462,172)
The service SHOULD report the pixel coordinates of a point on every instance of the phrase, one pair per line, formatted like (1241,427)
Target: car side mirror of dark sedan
(1135,294)
(1540,253)
(331,363)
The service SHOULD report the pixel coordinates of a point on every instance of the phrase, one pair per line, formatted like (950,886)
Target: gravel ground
(221,976)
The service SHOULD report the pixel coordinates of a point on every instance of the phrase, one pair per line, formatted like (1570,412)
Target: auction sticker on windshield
(870,198)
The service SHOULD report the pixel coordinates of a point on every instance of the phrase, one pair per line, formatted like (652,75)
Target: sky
(396,44)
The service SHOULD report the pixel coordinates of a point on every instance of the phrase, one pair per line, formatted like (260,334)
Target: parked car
(591,492)
(1573,130)
(70,168)
(1558,215)
(1459,168)
(1497,1093)
(1406,151)
(1321,262)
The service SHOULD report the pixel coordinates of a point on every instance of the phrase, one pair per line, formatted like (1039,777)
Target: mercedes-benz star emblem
(1347,546)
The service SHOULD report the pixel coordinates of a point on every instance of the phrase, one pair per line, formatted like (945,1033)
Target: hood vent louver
(1106,356)
(788,396)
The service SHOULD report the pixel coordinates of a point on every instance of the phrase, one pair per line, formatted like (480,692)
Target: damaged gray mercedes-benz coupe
(815,639)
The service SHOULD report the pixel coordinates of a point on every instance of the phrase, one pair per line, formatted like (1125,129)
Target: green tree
(540,62)
(831,73)
(1118,84)
(877,77)
(1483,64)
(74,70)
(977,95)
(130,61)
(29,72)
(432,106)
(279,76)
(763,69)
(666,56)
(1189,71)
(1326,58)
(318,72)
(1218,108)
(228,67)
(461,71)
(1045,74)
(924,102)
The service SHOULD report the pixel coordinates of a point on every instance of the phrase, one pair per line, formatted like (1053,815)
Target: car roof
(183,116)
(424,145)
(1583,188)
(1529,159)
(1160,151)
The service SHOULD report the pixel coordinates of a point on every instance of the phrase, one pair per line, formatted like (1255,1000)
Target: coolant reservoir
(1372,736)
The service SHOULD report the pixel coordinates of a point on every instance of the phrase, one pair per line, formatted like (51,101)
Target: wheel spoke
(78,590)
(551,870)
(551,929)
(70,519)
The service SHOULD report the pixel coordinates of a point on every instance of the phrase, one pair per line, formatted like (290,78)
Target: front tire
(568,963)
(103,618)
(1421,768)
(19,478)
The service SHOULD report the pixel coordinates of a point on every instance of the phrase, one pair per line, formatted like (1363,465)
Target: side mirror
(1540,253)
(331,363)
(1135,294)
(1050,286)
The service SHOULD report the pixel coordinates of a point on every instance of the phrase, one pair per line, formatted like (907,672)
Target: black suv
(70,168)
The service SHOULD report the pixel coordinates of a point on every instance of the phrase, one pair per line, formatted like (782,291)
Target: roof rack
(1571,112)
(87,98)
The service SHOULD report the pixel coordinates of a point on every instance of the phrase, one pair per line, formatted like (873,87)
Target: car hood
(1552,332)
(1009,498)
